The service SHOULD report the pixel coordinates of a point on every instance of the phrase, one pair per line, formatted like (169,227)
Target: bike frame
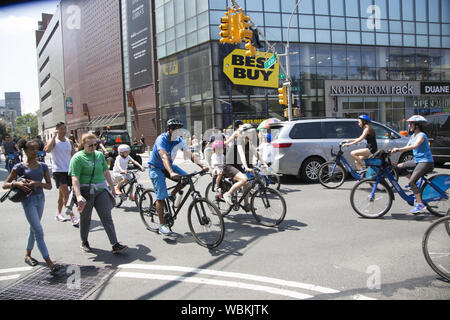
(339,158)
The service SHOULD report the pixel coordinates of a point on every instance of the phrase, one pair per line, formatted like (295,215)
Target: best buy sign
(250,71)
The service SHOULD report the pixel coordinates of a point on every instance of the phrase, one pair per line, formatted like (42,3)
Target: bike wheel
(436,247)
(119,200)
(329,178)
(147,210)
(206,223)
(275,180)
(268,207)
(213,197)
(440,206)
(365,205)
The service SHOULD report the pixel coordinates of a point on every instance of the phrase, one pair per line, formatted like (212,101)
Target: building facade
(13,102)
(390,48)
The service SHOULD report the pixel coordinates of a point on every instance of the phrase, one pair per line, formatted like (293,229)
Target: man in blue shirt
(161,167)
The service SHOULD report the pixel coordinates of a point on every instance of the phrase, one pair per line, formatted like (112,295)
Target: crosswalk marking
(11,270)
(11,277)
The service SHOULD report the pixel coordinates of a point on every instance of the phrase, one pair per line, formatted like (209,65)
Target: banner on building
(69,105)
(139,43)
(250,71)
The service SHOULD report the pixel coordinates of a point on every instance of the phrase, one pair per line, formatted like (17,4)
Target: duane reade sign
(372,90)
(435,88)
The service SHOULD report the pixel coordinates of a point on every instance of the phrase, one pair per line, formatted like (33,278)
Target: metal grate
(72,282)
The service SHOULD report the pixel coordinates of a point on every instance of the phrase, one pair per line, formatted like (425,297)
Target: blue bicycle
(13,158)
(332,174)
(372,198)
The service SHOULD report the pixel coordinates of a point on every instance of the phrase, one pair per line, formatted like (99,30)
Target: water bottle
(178,199)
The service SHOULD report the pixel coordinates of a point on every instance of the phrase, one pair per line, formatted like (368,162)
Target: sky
(18,62)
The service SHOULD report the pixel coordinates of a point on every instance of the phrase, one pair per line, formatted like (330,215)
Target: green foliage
(25,121)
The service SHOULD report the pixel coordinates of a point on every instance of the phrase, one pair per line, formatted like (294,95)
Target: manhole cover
(72,282)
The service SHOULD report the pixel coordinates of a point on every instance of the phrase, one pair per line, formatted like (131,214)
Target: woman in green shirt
(90,180)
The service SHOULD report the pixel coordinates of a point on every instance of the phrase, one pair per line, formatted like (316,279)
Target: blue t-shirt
(33,175)
(163,143)
(423,152)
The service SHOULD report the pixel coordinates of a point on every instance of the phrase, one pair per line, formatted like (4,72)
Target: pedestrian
(33,205)
(90,179)
(62,149)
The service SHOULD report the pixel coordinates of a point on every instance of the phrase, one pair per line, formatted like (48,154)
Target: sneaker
(117,248)
(247,208)
(75,221)
(419,207)
(163,229)
(227,199)
(60,217)
(85,247)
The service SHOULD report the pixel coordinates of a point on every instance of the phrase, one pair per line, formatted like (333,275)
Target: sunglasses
(92,145)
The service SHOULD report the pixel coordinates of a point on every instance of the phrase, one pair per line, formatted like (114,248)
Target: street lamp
(64,97)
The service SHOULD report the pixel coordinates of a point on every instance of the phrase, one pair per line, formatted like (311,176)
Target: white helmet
(123,148)
(245,127)
(417,118)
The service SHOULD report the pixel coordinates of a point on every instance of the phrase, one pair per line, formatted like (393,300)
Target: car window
(341,129)
(380,132)
(117,138)
(308,130)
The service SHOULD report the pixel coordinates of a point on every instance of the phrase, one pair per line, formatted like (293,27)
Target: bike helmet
(237,123)
(174,123)
(268,137)
(245,127)
(217,144)
(417,119)
(364,117)
(123,148)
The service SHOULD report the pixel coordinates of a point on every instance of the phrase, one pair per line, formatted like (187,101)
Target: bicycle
(13,159)
(267,205)
(204,219)
(41,156)
(436,246)
(139,189)
(332,174)
(372,198)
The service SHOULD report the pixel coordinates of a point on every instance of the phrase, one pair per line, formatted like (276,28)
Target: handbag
(16,194)
(86,191)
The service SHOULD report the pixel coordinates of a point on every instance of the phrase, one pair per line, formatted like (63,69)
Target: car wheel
(407,156)
(309,172)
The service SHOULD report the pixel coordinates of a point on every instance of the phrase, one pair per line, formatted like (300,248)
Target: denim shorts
(158,178)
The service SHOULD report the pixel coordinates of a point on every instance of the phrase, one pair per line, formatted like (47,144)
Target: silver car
(302,146)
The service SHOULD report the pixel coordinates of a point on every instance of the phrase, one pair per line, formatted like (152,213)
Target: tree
(24,122)
(3,126)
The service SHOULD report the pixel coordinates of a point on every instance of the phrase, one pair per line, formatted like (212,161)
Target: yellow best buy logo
(249,71)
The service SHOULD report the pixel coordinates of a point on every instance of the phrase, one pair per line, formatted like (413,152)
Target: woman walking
(33,205)
(90,173)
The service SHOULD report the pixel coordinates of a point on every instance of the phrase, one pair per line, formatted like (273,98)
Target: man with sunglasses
(62,150)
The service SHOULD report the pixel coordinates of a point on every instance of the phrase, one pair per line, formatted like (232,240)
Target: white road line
(14,276)
(11,270)
(244,276)
(240,285)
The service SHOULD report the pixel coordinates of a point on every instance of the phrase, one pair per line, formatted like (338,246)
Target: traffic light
(235,29)
(244,25)
(225,34)
(282,96)
(251,50)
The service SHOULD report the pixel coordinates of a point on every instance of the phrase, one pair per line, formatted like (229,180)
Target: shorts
(158,178)
(229,171)
(117,177)
(62,178)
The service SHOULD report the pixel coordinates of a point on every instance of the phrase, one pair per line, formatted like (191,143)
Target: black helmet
(174,123)
(237,123)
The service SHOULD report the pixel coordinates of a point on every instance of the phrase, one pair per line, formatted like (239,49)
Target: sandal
(31,261)
(55,269)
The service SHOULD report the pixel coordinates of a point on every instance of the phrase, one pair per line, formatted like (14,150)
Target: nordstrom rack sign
(406,89)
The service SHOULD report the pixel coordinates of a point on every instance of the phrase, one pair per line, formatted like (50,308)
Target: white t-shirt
(121,163)
(217,160)
(266,150)
(61,155)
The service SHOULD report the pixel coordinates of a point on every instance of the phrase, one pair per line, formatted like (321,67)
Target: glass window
(307,35)
(434,28)
(341,130)
(310,130)
(394,9)
(395,26)
(159,17)
(180,30)
(271,5)
(191,25)
(257,18)
(337,7)
(255,5)
(339,73)
(321,7)
(202,20)
(168,15)
(323,72)
(433,11)
(382,39)
(352,8)
(272,19)
(422,41)
(322,22)
(368,37)
(353,24)
(368,57)
(179,12)
(307,54)
(408,27)
(353,38)
(190,8)
(181,43)
(396,39)
(445,42)
(446,29)
(383,8)
(337,23)
(285,20)
(306,21)
(421,10)
(273,34)
(409,40)
(435,42)
(170,34)
(323,36)
(354,56)
(323,54)
(306,6)
(293,35)
(339,56)
(408,9)
(202,5)
(364,5)
(338,36)
(381,132)
(445,9)
(218,4)
(421,28)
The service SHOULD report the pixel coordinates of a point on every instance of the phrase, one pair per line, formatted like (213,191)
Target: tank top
(372,143)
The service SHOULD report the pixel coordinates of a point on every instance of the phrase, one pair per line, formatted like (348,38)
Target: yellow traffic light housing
(235,29)
(251,50)
(282,96)
(244,24)
(225,34)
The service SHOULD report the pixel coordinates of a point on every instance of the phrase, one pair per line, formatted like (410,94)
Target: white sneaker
(60,217)
(227,199)
(75,221)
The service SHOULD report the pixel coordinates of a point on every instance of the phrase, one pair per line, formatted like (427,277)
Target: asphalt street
(322,250)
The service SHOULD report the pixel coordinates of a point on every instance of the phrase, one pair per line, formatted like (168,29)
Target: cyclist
(120,168)
(371,146)
(161,167)
(9,147)
(423,160)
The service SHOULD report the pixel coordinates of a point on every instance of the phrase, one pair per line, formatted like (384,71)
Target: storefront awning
(114,119)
